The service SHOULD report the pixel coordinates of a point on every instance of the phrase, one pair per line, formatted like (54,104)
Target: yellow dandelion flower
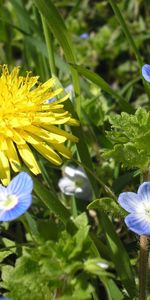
(26,119)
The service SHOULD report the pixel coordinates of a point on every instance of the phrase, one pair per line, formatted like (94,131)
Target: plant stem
(143,265)
(48,39)
(73,207)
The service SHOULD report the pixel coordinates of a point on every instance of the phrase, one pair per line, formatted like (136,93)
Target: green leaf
(129,38)
(130,139)
(83,149)
(4,254)
(51,201)
(98,80)
(81,289)
(97,267)
(59,30)
(124,180)
(119,257)
(125,30)
(34,282)
(112,290)
(107,205)
(49,229)
(48,266)
(32,225)
(27,24)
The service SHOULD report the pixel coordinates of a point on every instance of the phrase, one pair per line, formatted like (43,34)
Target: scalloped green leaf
(107,205)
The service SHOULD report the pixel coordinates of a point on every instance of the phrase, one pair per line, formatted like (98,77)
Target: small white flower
(75,182)
(102,265)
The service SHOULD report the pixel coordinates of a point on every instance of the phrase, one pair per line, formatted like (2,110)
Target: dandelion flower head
(28,121)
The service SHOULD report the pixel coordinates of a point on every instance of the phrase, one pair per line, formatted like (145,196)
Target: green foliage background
(56,250)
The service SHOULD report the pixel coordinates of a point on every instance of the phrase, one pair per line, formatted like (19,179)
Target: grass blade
(119,257)
(59,30)
(129,38)
(51,201)
(126,30)
(98,80)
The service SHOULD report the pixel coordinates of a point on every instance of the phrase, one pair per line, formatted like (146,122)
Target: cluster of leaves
(62,268)
(130,138)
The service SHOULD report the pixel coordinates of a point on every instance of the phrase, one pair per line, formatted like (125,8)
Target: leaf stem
(143,266)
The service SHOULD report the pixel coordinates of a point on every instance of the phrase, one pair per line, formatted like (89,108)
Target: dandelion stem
(143,266)
(48,39)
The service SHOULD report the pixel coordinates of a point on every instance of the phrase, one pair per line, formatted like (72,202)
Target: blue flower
(3,298)
(84,36)
(146,72)
(16,198)
(138,205)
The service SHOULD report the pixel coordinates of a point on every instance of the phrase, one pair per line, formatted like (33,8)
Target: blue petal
(146,72)
(84,36)
(22,184)
(129,201)
(138,224)
(3,298)
(3,192)
(144,191)
(23,204)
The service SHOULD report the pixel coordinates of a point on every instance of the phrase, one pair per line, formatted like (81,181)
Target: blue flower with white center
(146,72)
(16,198)
(138,205)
